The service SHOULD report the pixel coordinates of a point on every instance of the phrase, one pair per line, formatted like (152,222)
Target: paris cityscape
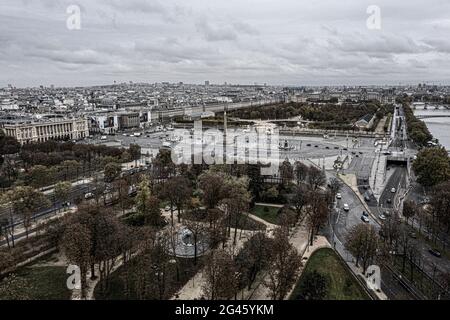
(231,151)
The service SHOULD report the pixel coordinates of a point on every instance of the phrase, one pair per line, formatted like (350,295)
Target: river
(439,126)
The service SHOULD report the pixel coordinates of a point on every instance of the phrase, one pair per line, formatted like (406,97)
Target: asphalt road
(398,178)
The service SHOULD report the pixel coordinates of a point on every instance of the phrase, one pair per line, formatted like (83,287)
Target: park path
(299,239)
(193,289)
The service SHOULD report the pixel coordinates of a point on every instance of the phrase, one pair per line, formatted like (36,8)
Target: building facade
(41,131)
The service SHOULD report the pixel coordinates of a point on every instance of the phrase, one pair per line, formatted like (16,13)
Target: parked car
(338,196)
(346,207)
(435,252)
(393,190)
(367,198)
(382,217)
(365,214)
(365,219)
(389,200)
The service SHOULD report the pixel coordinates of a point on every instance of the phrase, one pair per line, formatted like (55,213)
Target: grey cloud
(286,41)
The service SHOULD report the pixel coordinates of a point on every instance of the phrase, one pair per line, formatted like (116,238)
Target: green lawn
(270,214)
(43,283)
(341,284)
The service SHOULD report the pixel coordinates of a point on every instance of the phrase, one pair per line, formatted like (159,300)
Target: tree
(135,152)
(167,193)
(299,199)
(440,203)
(237,201)
(3,230)
(285,266)
(212,188)
(77,246)
(26,201)
(362,242)
(301,172)
(286,172)
(409,209)
(182,191)
(432,166)
(287,217)
(255,184)
(15,288)
(196,227)
(122,187)
(317,213)
(112,171)
(39,176)
(147,205)
(71,169)
(8,145)
(62,191)
(220,276)
(335,186)
(313,286)
(316,178)
(255,256)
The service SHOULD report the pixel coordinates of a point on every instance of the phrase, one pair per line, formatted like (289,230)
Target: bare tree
(362,242)
(409,209)
(286,172)
(317,213)
(285,266)
(299,200)
(182,191)
(195,224)
(77,246)
(316,178)
(301,172)
(255,256)
(212,187)
(220,276)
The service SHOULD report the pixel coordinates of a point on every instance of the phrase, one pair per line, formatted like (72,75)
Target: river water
(439,126)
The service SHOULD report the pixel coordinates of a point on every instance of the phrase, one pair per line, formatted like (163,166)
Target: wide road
(342,222)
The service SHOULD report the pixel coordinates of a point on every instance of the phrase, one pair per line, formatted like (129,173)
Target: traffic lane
(348,219)
(393,182)
(442,264)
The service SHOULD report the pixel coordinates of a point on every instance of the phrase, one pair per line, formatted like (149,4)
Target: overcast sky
(285,42)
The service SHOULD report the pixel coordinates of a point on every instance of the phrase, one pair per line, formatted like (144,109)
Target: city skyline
(290,43)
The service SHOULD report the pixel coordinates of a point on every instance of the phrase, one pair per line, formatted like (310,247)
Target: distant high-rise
(206,83)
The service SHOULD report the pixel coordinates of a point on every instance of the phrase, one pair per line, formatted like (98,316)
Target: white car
(382,217)
(346,207)
(338,196)
(88,195)
(365,219)
(393,190)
